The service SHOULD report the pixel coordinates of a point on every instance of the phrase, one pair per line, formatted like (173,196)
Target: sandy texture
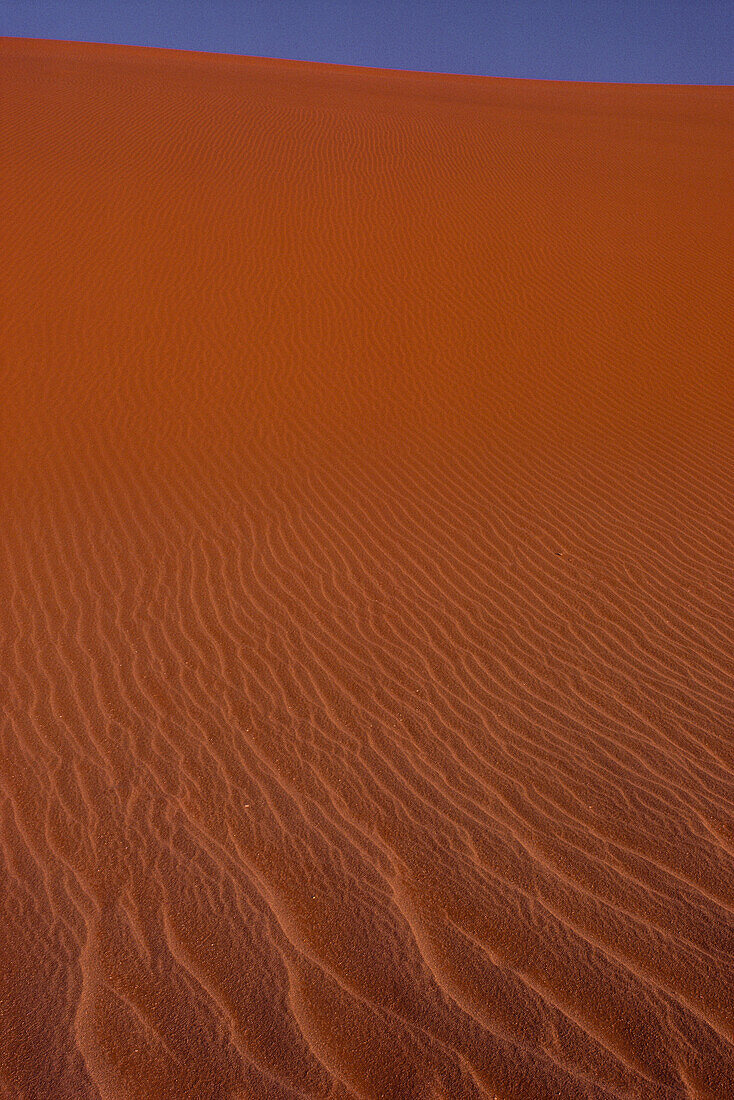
(366,596)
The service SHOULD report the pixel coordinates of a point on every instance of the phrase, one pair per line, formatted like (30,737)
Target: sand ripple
(366,583)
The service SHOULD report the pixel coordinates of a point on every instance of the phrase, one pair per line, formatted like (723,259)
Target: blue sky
(646,41)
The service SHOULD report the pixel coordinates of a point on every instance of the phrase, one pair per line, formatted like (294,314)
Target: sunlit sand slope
(366,592)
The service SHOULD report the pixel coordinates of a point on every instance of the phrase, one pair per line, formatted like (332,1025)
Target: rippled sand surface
(366,591)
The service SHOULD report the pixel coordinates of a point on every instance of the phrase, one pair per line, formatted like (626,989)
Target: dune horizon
(128,49)
(366,589)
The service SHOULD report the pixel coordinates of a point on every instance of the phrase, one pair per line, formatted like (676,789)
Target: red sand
(366,583)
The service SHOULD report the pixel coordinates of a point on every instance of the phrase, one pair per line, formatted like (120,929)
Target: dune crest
(366,583)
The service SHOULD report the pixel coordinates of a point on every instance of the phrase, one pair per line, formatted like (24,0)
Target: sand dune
(366,583)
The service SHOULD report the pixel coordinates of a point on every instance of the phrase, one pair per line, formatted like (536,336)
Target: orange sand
(366,590)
